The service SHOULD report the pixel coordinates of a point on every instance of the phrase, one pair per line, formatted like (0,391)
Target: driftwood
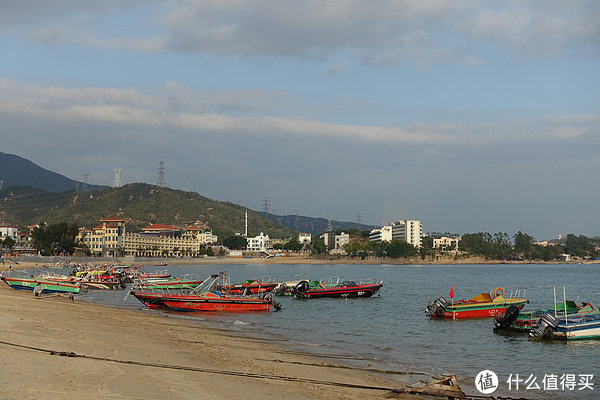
(447,386)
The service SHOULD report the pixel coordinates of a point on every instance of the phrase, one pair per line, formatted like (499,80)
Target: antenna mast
(161,175)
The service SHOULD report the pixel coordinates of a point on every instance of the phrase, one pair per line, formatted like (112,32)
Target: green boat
(23,282)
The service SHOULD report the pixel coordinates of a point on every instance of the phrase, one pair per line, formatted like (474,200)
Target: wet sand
(120,354)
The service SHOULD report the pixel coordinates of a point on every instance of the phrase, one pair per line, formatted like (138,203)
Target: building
(157,240)
(333,241)
(9,231)
(258,243)
(446,243)
(409,231)
(304,238)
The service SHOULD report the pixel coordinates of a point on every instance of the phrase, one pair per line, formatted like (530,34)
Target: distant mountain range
(27,192)
(18,171)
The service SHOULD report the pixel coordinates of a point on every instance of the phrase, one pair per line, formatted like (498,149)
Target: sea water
(390,331)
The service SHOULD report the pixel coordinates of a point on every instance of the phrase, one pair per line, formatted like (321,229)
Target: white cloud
(183,107)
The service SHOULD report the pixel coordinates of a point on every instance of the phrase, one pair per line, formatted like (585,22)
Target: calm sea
(391,332)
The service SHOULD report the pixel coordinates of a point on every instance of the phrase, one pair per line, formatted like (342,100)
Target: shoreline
(23,263)
(127,354)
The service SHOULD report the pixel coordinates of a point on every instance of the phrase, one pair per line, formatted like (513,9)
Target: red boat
(253,286)
(211,295)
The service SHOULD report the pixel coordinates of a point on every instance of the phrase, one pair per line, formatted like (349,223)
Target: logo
(486,382)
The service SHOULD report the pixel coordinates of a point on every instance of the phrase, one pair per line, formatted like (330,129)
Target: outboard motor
(302,287)
(548,324)
(280,289)
(437,307)
(503,323)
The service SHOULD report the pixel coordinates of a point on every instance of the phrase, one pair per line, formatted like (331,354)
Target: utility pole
(161,175)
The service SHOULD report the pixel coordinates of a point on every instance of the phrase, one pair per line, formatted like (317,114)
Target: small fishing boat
(583,324)
(523,321)
(339,288)
(210,295)
(483,305)
(188,281)
(253,286)
(92,282)
(21,281)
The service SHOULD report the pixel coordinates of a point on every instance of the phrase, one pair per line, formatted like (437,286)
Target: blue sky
(467,115)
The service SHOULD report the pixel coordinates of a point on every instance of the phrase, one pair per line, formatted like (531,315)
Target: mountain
(314,226)
(16,170)
(32,194)
(140,204)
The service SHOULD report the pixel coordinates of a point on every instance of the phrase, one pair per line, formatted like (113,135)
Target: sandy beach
(56,349)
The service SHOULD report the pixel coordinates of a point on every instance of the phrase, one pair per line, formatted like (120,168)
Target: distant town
(397,239)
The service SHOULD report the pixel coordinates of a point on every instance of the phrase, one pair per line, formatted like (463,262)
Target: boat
(484,305)
(188,281)
(253,286)
(22,281)
(339,288)
(210,295)
(584,324)
(92,282)
(523,321)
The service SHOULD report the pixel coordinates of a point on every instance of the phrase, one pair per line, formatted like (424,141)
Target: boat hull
(584,328)
(223,305)
(344,292)
(47,286)
(482,310)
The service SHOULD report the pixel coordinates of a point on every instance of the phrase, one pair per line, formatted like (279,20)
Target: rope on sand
(204,370)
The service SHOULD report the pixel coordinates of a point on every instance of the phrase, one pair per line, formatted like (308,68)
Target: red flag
(291,273)
(452,292)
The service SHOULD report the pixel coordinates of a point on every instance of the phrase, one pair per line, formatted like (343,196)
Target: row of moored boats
(566,319)
(188,292)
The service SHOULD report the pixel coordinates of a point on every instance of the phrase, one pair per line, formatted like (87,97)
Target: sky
(470,116)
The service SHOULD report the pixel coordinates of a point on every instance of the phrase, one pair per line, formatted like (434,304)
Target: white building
(9,231)
(333,241)
(304,238)
(409,231)
(258,243)
(444,243)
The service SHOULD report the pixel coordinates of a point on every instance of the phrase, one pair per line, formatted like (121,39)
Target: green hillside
(139,204)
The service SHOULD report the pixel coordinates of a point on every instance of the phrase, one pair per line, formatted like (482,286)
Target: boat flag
(291,273)
(452,292)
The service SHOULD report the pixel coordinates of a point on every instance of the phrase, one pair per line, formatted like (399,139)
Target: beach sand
(122,354)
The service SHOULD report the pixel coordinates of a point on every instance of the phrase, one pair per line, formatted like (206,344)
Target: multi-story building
(304,238)
(446,243)
(333,241)
(258,243)
(409,231)
(157,240)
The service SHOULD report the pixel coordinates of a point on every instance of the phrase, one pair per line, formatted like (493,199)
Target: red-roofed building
(156,240)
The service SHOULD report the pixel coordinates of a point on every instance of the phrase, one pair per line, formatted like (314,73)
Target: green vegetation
(139,204)
(394,249)
(55,239)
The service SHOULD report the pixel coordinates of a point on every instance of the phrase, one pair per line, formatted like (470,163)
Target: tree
(235,242)
(8,243)
(60,237)
(578,246)
(399,248)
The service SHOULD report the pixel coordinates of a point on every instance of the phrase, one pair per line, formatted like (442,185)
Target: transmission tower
(358,219)
(161,175)
(85,178)
(266,204)
(117,182)
(1,182)
(329,227)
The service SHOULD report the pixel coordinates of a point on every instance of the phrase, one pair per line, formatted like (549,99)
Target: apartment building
(409,231)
